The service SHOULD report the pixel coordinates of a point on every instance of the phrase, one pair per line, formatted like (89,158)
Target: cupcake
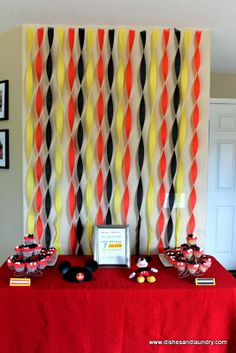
(27,251)
(191,239)
(181,266)
(31,266)
(188,253)
(42,263)
(19,250)
(192,268)
(29,239)
(36,248)
(203,266)
(10,263)
(208,262)
(197,252)
(19,266)
(173,261)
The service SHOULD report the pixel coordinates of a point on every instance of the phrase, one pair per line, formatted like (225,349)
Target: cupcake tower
(189,259)
(31,258)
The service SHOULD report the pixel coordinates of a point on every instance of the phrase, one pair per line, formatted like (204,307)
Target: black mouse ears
(64,267)
(90,265)
(147,258)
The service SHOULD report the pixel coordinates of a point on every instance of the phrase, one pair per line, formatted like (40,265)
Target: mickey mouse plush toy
(144,272)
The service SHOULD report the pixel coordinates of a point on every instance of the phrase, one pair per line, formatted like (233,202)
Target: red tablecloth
(113,314)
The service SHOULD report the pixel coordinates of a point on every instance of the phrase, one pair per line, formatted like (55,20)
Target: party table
(112,314)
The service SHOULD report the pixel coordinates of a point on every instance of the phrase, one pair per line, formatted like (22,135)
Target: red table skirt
(112,314)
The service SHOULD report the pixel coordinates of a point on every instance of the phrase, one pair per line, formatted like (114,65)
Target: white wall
(223,85)
(11,181)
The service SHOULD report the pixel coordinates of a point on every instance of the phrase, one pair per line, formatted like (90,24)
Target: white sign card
(111,246)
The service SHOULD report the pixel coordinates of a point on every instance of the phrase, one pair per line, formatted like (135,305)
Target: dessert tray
(189,259)
(30,258)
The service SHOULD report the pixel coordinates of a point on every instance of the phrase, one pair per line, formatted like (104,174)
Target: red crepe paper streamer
(194,143)
(71,67)
(160,226)
(163,136)
(39,66)
(163,133)
(73,240)
(128,125)
(38,199)
(100,114)
(39,101)
(39,228)
(127,163)
(100,108)
(40,33)
(193,172)
(71,157)
(71,113)
(164,100)
(72,200)
(100,185)
(38,169)
(38,136)
(72,148)
(39,133)
(100,147)
(71,72)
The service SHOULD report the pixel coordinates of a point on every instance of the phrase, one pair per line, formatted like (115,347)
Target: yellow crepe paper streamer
(29,69)
(59,128)
(151,137)
(153,67)
(182,133)
(120,77)
(29,83)
(58,162)
(89,120)
(59,119)
(150,206)
(30,221)
(60,64)
(29,134)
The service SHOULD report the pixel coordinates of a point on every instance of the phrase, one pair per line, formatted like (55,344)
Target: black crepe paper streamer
(110,112)
(48,203)
(142,113)
(80,102)
(48,169)
(109,148)
(48,134)
(49,100)
(79,234)
(47,236)
(80,138)
(174,135)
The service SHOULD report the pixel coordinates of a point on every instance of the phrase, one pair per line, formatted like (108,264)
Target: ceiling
(219,16)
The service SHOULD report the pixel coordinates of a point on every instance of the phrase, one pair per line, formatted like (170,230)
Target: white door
(221,199)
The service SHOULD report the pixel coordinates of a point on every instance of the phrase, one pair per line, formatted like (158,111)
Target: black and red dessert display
(189,258)
(30,258)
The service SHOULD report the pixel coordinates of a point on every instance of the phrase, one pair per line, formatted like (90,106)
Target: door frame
(220,101)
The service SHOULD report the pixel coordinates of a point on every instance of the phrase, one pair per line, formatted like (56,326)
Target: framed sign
(4,149)
(111,246)
(4,100)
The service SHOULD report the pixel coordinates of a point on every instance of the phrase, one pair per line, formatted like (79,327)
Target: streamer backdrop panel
(116,126)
